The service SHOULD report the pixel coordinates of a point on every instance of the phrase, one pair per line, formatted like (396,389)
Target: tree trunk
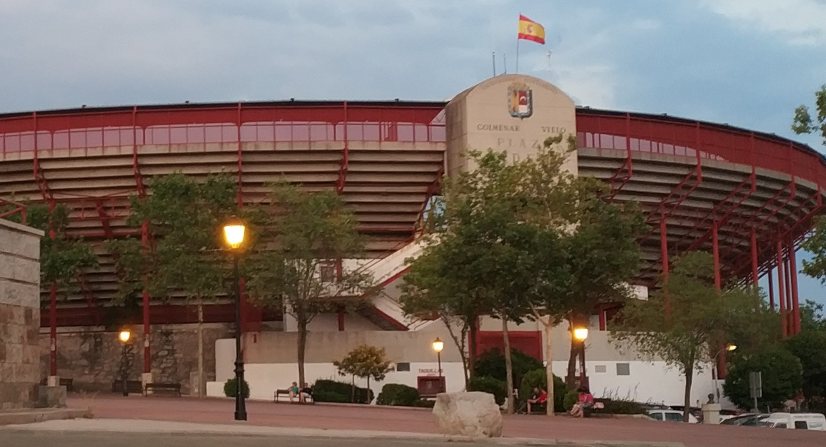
(689,377)
(201,381)
(472,348)
(549,372)
(301,319)
(508,365)
(570,378)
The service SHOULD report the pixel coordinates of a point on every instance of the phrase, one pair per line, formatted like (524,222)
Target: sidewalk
(32,415)
(388,419)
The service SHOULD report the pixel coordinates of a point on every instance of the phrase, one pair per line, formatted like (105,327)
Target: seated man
(294,392)
(306,393)
(539,398)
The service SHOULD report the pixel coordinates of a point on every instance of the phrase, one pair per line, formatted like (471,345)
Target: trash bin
(711,414)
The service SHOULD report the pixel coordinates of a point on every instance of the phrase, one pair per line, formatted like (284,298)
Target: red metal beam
(14,208)
(345,153)
(715,247)
(678,194)
(795,298)
(724,209)
(781,289)
(754,257)
(104,218)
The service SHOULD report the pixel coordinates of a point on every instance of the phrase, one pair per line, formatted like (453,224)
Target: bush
(613,406)
(339,392)
(425,403)
(571,397)
(489,385)
(537,377)
(231,388)
(399,395)
(492,364)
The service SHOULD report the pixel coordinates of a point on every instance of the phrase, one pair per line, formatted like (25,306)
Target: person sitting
(306,393)
(584,402)
(295,392)
(538,398)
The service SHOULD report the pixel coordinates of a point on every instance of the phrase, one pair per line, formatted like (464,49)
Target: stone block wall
(93,358)
(19,315)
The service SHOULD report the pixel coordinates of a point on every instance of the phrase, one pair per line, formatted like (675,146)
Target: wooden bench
(308,399)
(174,388)
(68,383)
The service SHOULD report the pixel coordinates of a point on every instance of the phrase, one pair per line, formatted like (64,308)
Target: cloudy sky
(743,62)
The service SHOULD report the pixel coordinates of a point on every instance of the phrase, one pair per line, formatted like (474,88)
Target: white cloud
(798,22)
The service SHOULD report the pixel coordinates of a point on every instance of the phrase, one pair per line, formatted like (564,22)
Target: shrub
(396,394)
(492,364)
(489,385)
(339,392)
(537,377)
(425,403)
(782,377)
(571,397)
(613,406)
(231,388)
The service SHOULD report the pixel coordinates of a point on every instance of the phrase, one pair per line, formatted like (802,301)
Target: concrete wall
(479,118)
(19,314)
(92,357)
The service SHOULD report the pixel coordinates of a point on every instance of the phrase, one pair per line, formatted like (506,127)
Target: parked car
(666,415)
(796,421)
(742,418)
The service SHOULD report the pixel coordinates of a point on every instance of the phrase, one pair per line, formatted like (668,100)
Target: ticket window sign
(430,385)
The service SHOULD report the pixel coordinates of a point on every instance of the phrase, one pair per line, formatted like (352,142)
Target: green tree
(781,377)
(701,319)
(303,232)
(187,260)
(804,123)
(364,361)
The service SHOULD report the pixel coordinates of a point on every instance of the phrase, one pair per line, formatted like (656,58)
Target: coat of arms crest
(520,101)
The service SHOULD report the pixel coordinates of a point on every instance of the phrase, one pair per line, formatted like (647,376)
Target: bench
(308,399)
(174,388)
(68,383)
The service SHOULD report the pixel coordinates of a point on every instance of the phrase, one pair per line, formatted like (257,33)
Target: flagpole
(493,59)
(516,71)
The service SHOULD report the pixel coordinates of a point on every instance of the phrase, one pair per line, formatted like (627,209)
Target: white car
(670,416)
(798,421)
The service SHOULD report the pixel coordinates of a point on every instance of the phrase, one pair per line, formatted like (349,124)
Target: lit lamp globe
(234,234)
(438,345)
(731,347)
(124,336)
(580,333)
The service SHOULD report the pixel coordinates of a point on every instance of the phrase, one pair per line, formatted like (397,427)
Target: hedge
(399,395)
(339,392)
(231,388)
(538,378)
(489,385)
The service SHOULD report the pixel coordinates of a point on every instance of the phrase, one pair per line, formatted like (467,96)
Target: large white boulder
(473,414)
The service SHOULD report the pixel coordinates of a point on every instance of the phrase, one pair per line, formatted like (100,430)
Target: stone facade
(19,314)
(93,358)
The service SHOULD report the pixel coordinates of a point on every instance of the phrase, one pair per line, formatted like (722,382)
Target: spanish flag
(530,30)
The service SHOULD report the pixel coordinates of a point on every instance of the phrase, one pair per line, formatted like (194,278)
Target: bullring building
(745,196)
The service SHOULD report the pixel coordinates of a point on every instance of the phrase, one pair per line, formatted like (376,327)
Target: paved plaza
(410,425)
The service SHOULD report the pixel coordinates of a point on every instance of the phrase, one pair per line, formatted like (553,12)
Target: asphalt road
(108,439)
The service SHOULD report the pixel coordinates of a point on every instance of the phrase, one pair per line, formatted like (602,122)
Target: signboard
(756,384)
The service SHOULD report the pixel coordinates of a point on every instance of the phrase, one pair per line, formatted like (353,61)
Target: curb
(240,429)
(34,415)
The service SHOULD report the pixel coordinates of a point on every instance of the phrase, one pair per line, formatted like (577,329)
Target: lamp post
(124,337)
(581,334)
(438,345)
(729,347)
(234,232)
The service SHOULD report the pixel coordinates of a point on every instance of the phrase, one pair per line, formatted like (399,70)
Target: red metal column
(53,330)
(147,358)
(795,298)
(771,286)
(789,317)
(754,260)
(715,245)
(781,297)
(664,261)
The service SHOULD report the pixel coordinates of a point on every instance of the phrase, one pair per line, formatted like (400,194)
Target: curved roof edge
(584,110)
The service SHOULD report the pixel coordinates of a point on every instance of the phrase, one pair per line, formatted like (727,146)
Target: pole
(240,405)
(516,71)
(493,60)
(714,375)
(582,376)
(123,371)
(439,363)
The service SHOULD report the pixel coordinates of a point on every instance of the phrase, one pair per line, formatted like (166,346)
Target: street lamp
(124,337)
(729,348)
(234,232)
(580,334)
(438,345)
